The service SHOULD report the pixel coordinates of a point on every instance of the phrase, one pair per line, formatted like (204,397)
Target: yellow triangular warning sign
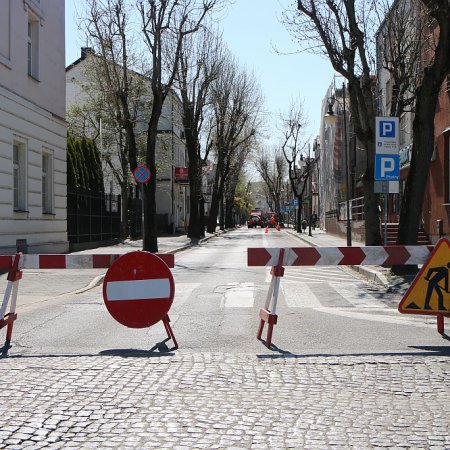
(430,291)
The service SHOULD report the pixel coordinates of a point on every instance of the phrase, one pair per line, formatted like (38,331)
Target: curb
(368,273)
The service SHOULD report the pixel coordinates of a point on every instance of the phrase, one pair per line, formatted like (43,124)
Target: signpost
(138,289)
(142,176)
(387,161)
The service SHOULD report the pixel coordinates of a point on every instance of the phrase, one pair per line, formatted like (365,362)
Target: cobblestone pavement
(201,400)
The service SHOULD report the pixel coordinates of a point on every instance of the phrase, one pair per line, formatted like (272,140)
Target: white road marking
(299,296)
(399,320)
(358,298)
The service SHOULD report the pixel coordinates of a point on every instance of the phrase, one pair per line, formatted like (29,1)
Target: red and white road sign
(138,289)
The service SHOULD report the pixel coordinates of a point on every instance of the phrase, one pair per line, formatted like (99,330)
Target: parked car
(255,220)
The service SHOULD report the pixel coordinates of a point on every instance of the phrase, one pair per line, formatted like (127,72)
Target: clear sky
(251,28)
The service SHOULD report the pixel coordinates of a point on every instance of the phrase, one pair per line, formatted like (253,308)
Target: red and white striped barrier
(78,261)
(332,256)
(277,258)
(15,264)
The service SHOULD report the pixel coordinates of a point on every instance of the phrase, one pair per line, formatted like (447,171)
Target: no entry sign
(138,289)
(141,174)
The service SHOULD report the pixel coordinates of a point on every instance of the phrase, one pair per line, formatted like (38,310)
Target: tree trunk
(371,212)
(412,200)
(201,204)
(229,217)
(194,228)
(222,213)
(215,199)
(150,241)
(299,214)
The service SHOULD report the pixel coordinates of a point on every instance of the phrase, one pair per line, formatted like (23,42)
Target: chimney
(85,51)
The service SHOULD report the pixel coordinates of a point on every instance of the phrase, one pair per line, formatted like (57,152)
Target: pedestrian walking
(313,220)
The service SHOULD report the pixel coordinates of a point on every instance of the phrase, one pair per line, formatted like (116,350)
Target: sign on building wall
(182,175)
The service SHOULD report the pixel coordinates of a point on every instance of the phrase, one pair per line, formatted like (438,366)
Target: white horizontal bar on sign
(138,289)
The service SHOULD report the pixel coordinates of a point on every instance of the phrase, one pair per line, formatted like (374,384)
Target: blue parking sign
(387,167)
(387,135)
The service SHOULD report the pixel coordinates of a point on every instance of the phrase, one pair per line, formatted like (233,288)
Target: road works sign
(430,291)
(138,289)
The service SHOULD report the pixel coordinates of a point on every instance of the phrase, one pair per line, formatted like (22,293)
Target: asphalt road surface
(321,310)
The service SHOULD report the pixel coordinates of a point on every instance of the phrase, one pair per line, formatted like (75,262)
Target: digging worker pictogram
(434,276)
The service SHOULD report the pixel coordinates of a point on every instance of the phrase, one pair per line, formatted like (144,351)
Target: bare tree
(116,95)
(341,31)
(237,166)
(436,68)
(200,65)
(399,52)
(293,149)
(344,32)
(166,24)
(236,103)
(271,166)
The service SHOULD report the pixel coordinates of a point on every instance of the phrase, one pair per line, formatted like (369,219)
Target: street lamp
(330,119)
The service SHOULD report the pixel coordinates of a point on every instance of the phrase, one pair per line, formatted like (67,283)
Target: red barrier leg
(166,322)
(440,323)
(14,275)
(271,320)
(260,329)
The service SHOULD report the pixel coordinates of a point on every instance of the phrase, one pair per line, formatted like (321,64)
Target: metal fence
(135,217)
(356,209)
(92,216)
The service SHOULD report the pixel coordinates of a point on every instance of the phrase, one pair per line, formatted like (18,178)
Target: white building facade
(33,215)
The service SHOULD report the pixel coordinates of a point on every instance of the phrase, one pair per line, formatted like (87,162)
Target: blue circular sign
(141,174)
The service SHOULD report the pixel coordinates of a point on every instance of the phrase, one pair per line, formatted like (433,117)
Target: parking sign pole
(387,161)
(385,217)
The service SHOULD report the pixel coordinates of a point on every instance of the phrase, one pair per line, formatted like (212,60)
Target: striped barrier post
(15,264)
(268,313)
(12,286)
(278,258)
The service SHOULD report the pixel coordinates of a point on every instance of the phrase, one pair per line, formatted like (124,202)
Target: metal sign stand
(14,275)
(267,315)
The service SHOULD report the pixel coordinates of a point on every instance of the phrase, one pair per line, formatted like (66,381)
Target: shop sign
(182,175)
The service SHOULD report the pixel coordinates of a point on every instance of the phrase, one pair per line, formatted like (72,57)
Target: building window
(33,47)
(20,176)
(47,183)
